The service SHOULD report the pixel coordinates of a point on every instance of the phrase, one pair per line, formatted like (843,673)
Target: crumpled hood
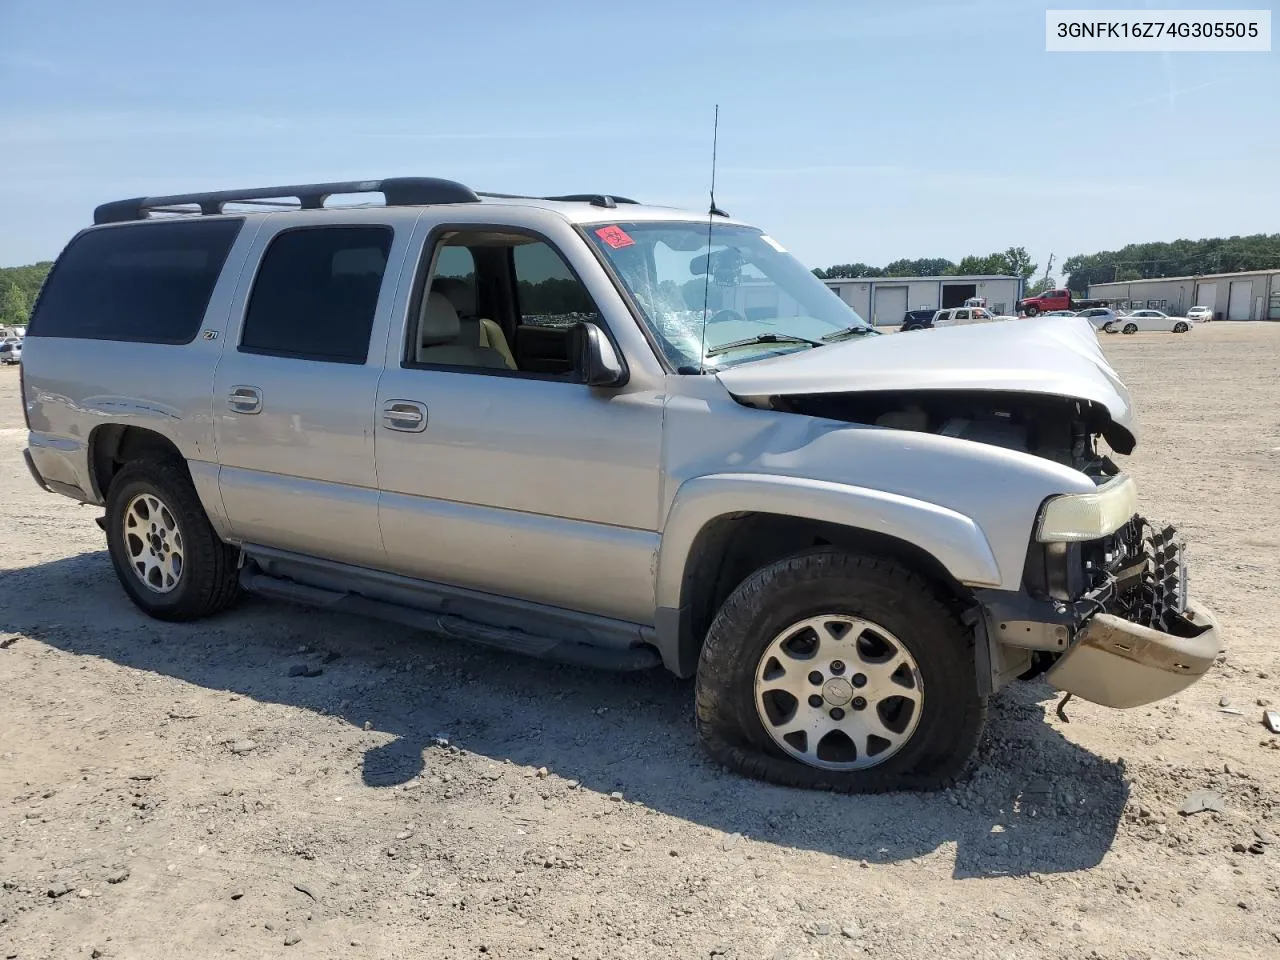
(1056,356)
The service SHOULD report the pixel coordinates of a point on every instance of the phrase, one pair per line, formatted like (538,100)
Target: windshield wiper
(848,332)
(763,338)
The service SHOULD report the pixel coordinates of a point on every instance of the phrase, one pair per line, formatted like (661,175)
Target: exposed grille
(1145,575)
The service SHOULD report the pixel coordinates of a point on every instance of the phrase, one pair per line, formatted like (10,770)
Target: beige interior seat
(440,337)
(476,331)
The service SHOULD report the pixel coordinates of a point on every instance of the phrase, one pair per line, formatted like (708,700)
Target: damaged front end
(1103,612)
(1109,619)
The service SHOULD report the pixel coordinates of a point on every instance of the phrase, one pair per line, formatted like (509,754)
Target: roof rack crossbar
(608,201)
(397,191)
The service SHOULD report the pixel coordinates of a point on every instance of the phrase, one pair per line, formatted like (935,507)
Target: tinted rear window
(143,283)
(316,294)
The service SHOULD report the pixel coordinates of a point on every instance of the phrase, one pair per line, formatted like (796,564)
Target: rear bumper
(35,474)
(1118,663)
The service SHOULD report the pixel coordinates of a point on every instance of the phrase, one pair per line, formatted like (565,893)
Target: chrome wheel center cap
(837,691)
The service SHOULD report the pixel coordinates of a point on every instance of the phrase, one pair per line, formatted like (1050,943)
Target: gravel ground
(171,791)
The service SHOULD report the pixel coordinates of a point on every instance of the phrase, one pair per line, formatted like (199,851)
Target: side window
(547,292)
(316,294)
(962,314)
(142,283)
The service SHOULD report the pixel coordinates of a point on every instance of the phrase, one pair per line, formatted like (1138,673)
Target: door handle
(245,399)
(406,415)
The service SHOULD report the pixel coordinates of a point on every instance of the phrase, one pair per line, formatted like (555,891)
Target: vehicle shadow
(1034,802)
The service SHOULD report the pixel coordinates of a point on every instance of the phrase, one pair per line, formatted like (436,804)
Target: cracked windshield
(757,300)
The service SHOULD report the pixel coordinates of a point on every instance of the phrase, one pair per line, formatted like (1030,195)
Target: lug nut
(837,713)
(837,666)
(815,678)
(859,680)
(815,701)
(859,703)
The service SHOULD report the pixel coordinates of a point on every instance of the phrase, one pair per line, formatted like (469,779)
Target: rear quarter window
(143,283)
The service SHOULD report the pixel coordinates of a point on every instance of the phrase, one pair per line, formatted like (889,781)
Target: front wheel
(166,555)
(1180,327)
(837,671)
(1033,311)
(1130,328)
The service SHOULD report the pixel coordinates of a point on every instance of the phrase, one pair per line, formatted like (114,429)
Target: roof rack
(608,201)
(397,192)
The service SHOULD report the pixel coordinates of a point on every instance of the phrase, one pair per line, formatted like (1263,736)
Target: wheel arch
(112,445)
(721,529)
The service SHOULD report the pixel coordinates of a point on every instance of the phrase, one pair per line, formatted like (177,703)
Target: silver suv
(613,435)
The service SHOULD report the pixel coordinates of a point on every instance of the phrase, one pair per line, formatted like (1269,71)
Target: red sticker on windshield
(615,237)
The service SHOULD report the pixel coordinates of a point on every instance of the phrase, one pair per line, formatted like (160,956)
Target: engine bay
(1055,428)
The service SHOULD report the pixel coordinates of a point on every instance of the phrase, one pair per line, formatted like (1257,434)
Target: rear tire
(165,553)
(830,587)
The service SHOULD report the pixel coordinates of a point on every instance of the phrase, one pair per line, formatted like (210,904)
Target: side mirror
(597,359)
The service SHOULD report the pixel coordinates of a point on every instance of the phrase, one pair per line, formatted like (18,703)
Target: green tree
(1041,285)
(14,308)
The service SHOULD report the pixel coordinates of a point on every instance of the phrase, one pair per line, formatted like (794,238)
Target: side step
(511,640)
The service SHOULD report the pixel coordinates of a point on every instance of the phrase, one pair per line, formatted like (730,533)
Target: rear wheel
(1180,327)
(1130,328)
(837,671)
(166,555)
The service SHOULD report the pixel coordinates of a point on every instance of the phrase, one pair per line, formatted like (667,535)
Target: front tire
(1033,311)
(165,553)
(1130,328)
(836,671)
(1180,327)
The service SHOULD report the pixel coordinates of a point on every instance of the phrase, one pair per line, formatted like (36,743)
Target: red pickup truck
(1047,301)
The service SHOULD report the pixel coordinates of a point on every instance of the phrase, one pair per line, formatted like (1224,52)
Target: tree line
(1136,261)
(18,289)
(1013,262)
(1178,258)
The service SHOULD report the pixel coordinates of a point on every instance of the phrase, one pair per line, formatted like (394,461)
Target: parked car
(1100,317)
(1200,314)
(849,539)
(917,320)
(1137,320)
(1061,313)
(11,351)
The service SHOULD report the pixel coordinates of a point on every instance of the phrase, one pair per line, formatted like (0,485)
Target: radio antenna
(711,212)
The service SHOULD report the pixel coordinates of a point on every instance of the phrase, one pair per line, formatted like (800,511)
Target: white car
(1060,313)
(960,316)
(1148,320)
(11,351)
(1200,314)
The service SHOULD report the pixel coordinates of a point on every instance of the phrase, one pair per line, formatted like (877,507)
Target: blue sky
(865,130)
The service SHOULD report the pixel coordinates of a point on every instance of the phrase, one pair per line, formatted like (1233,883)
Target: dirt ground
(170,791)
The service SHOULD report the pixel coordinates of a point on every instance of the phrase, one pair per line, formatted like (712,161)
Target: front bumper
(1130,637)
(1118,663)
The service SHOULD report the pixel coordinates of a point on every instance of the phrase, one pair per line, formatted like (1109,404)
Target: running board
(503,638)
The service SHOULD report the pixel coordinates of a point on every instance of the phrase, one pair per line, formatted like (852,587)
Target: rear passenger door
(294,391)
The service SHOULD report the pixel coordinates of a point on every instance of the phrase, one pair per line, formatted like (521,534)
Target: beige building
(884,300)
(1231,296)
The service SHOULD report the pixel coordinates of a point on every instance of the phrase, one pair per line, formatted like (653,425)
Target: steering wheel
(720,316)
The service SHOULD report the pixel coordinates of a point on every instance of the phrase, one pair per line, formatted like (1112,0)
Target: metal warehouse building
(1231,296)
(883,300)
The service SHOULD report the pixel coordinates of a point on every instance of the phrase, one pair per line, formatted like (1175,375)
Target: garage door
(1240,302)
(1206,295)
(890,304)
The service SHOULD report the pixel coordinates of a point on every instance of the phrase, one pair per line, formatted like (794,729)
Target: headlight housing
(1077,517)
